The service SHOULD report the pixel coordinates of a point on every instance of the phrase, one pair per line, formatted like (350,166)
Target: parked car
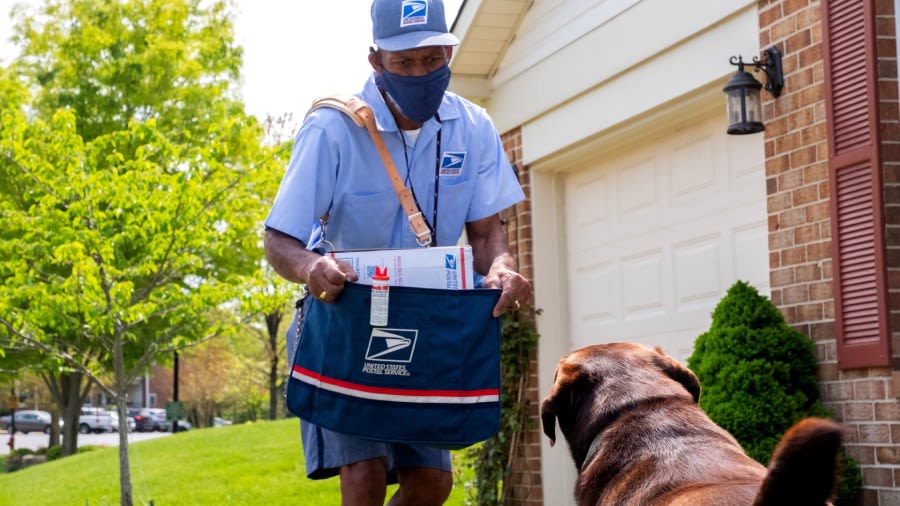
(220,422)
(28,420)
(94,420)
(140,420)
(150,419)
(129,420)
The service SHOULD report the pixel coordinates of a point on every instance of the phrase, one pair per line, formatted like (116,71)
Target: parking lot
(35,440)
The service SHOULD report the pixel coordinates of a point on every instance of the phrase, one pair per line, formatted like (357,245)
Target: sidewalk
(35,440)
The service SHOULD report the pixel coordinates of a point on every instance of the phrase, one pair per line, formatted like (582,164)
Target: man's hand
(516,288)
(326,278)
(490,250)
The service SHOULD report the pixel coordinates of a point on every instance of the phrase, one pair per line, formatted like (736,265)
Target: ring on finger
(518,306)
(323,295)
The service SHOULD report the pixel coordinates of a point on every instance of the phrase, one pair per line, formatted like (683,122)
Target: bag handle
(361,114)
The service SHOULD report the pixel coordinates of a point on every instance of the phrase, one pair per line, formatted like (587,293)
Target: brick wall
(523,486)
(798,190)
(880,434)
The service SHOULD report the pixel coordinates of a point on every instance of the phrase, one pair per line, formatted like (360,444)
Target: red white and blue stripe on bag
(395,394)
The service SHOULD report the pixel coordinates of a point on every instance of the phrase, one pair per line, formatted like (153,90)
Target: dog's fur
(654,446)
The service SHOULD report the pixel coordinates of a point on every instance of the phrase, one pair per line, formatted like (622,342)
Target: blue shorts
(326,451)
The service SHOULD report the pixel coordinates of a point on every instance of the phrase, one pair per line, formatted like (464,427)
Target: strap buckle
(424,242)
(423,237)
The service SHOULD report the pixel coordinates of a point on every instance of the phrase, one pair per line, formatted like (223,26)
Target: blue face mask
(418,97)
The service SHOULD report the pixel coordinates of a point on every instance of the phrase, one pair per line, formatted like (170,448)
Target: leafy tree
(265,307)
(266,304)
(132,177)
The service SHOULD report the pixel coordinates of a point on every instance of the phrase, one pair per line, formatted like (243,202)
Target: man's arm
(491,254)
(291,260)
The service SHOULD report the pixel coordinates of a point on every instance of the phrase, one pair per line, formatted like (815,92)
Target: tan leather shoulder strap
(362,115)
(348,104)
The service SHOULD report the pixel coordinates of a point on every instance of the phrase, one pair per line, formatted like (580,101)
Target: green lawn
(250,464)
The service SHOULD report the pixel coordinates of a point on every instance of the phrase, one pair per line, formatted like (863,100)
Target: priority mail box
(438,267)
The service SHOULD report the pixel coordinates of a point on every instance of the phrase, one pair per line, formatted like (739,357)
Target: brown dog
(638,438)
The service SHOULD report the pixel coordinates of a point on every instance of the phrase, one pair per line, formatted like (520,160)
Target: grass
(250,464)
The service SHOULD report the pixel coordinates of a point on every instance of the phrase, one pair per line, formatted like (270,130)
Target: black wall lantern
(743,103)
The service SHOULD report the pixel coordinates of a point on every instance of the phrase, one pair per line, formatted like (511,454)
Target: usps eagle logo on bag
(414,12)
(392,345)
(452,163)
(389,351)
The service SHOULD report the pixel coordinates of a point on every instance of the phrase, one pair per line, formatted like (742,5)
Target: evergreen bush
(758,377)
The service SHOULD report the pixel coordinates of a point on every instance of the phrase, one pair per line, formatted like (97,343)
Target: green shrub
(758,376)
(54,452)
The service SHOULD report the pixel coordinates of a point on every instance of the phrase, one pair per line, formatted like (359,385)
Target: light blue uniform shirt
(335,168)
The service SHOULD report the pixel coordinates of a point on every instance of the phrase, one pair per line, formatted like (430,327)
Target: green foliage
(113,62)
(490,459)
(850,485)
(53,453)
(758,374)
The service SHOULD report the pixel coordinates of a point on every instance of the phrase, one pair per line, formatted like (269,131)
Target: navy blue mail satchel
(431,376)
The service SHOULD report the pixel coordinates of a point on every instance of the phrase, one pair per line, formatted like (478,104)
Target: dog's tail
(803,470)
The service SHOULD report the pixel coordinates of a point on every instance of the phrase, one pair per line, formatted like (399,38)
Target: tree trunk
(122,384)
(54,438)
(124,463)
(66,389)
(273,321)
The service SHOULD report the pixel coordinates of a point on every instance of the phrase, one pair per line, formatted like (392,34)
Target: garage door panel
(698,270)
(744,159)
(596,189)
(751,242)
(589,205)
(642,284)
(656,234)
(693,170)
(596,297)
(637,191)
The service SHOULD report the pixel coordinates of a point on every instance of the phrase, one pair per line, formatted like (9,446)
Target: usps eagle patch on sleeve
(452,163)
(414,12)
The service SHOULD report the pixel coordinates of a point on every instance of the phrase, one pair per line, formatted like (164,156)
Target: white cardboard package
(438,267)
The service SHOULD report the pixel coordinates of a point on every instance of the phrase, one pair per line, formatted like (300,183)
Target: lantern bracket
(770,65)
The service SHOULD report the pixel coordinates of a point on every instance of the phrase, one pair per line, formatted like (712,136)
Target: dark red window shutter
(857,220)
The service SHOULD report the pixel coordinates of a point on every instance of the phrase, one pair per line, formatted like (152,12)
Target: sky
(294,50)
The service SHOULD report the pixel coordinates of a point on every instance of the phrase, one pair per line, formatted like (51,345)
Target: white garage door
(657,233)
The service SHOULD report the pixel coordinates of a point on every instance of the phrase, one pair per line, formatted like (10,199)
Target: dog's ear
(548,418)
(678,372)
(562,397)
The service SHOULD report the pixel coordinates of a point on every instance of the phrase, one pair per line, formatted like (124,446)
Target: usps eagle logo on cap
(452,163)
(414,12)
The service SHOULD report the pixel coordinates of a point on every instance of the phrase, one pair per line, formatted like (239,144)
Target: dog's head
(595,383)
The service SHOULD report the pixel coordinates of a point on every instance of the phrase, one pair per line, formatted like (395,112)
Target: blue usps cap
(408,24)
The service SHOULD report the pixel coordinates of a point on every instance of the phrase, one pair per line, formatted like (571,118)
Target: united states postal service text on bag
(430,376)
